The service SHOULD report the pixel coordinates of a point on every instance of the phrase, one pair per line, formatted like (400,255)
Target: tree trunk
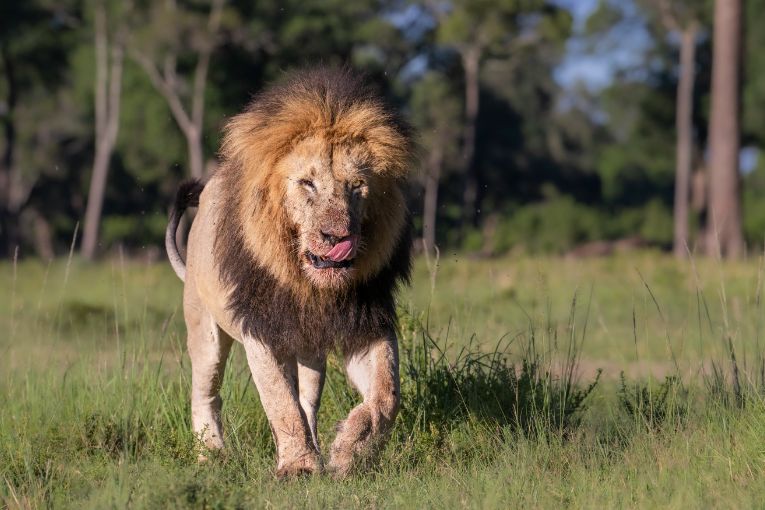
(43,237)
(196,155)
(8,220)
(471,58)
(684,151)
(108,89)
(95,201)
(724,231)
(430,205)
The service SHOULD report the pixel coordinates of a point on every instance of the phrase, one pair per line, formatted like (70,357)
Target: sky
(595,67)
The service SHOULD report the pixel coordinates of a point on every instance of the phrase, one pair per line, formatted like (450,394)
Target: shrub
(553,226)
(652,406)
(485,387)
(557,225)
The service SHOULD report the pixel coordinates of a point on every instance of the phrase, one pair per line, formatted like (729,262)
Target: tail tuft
(186,196)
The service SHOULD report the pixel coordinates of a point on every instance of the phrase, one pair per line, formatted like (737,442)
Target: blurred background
(576,127)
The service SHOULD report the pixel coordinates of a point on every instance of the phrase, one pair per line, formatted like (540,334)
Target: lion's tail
(187,196)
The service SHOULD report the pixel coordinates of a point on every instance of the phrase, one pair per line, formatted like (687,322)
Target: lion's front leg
(276,381)
(374,373)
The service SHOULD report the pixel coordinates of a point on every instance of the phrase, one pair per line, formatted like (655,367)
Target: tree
(724,227)
(477,30)
(168,32)
(109,53)
(436,112)
(34,45)
(682,17)
(654,114)
(11,195)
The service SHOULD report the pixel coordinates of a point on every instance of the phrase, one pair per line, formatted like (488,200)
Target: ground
(499,358)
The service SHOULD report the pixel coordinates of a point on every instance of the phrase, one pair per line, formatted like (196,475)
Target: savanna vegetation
(504,401)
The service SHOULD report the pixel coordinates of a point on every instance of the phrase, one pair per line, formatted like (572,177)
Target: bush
(654,406)
(133,230)
(557,225)
(485,387)
(553,226)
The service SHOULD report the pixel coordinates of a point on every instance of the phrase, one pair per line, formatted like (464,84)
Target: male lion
(299,244)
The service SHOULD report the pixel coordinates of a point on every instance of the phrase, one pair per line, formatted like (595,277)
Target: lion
(299,245)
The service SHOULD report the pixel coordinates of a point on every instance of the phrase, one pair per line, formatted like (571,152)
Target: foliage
(754,65)
(545,148)
(559,224)
(654,405)
(435,112)
(553,226)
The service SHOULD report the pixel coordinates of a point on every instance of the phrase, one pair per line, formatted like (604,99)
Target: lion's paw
(342,464)
(304,465)
(352,447)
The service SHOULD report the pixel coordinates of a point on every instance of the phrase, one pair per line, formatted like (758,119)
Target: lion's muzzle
(339,257)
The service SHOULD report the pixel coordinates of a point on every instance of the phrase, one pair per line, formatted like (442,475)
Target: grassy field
(502,405)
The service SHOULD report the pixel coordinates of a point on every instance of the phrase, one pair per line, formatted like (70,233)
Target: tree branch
(668,18)
(203,64)
(164,88)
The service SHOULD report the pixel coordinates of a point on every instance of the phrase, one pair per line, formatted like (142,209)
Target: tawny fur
(310,162)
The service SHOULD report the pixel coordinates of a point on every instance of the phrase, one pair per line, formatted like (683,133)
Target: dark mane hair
(348,320)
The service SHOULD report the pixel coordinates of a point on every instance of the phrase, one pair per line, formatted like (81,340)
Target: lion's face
(327,189)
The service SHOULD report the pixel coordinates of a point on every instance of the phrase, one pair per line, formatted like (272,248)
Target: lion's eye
(357,184)
(307,184)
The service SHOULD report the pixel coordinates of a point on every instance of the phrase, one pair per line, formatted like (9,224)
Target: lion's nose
(334,236)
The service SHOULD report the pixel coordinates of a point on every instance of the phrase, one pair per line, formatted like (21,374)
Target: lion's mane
(269,295)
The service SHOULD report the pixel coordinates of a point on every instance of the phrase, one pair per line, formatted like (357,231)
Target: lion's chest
(264,309)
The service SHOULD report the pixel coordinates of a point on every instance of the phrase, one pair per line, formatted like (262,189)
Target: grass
(504,405)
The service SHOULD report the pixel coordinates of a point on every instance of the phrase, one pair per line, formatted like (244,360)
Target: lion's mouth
(319,262)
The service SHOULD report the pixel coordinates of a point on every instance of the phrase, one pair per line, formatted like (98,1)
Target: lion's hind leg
(310,384)
(209,348)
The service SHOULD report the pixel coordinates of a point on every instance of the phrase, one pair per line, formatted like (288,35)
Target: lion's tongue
(343,250)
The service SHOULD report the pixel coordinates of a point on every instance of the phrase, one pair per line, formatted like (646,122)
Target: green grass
(502,405)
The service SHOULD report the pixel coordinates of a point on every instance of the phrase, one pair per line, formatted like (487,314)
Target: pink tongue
(343,250)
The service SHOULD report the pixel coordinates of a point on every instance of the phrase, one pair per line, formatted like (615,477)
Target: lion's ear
(251,140)
(237,141)
(391,149)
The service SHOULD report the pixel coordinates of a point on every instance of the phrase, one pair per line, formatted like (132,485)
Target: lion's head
(316,166)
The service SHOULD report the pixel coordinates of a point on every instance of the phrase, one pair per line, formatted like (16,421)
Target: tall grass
(100,416)
(61,433)
(486,387)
